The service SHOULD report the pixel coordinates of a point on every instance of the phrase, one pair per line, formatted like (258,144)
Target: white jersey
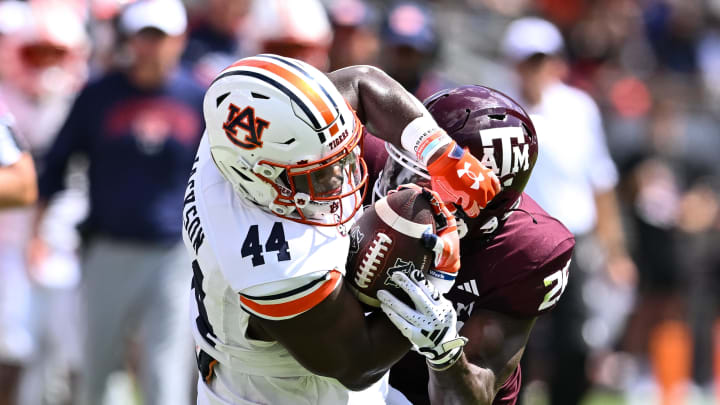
(248,261)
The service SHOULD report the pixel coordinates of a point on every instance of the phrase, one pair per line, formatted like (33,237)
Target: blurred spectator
(669,183)
(410,47)
(18,187)
(355,38)
(214,37)
(574,180)
(44,50)
(139,128)
(292,28)
(44,63)
(673,28)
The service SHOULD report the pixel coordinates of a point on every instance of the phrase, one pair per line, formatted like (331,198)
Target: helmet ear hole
(241,174)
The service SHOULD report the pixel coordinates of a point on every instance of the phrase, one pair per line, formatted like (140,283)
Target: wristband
(445,364)
(422,137)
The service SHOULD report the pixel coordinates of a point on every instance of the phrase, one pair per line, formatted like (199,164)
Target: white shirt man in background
(574,180)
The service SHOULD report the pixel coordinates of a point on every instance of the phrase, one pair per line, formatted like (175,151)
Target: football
(388,238)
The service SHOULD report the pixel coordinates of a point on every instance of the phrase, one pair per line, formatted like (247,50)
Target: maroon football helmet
(494,128)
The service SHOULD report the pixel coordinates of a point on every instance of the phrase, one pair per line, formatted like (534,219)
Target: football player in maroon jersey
(515,257)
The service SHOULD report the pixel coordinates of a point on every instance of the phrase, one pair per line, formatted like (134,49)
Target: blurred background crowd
(625,95)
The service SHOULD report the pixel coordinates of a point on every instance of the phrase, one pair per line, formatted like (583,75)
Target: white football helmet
(284,137)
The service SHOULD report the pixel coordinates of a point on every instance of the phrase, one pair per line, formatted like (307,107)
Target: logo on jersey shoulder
(245,120)
(400,265)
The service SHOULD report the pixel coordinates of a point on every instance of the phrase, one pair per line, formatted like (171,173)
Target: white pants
(307,390)
(17,342)
(140,291)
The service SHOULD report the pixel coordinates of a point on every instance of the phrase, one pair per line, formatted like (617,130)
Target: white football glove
(431,327)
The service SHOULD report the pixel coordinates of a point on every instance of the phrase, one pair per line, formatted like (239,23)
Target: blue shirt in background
(140,145)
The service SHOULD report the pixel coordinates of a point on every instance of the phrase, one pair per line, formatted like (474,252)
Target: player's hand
(445,242)
(37,252)
(432,326)
(459,178)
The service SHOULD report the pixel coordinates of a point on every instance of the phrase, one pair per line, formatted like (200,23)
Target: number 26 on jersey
(558,281)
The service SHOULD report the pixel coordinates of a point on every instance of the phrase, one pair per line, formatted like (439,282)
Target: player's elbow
(371,74)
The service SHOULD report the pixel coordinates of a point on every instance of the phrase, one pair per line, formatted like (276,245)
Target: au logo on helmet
(244,120)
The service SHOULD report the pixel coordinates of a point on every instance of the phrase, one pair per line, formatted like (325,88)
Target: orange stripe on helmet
(295,80)
(297,306)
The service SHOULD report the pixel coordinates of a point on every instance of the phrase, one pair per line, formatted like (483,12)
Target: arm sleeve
(535,289)
(71,138)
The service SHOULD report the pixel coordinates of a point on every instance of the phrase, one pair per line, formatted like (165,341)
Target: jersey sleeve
(289,298)
(555,274)
(537,290)
(285,286)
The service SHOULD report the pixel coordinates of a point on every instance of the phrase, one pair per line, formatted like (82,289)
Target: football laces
(372,260)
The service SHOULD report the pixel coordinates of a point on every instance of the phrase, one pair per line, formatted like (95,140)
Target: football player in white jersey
(278,179)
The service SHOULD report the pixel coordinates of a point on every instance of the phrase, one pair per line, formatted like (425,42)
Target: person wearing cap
(574,180)
(139,127)
(355,36)
(214,37)
(291,28)
(410,47)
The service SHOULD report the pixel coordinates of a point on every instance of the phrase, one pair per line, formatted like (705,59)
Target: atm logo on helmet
(244,120)
(515,152)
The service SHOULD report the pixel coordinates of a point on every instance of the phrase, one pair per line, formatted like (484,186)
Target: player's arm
(71,138)
(495,345)
(18,181)
(381,103)
(335,338)
(18,184)
(396,116)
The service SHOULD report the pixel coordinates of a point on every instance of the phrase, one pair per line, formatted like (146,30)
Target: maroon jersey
(521,271)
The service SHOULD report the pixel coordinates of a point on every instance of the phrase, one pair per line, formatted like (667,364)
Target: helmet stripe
(303,86)
(308,76)
(282,88)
